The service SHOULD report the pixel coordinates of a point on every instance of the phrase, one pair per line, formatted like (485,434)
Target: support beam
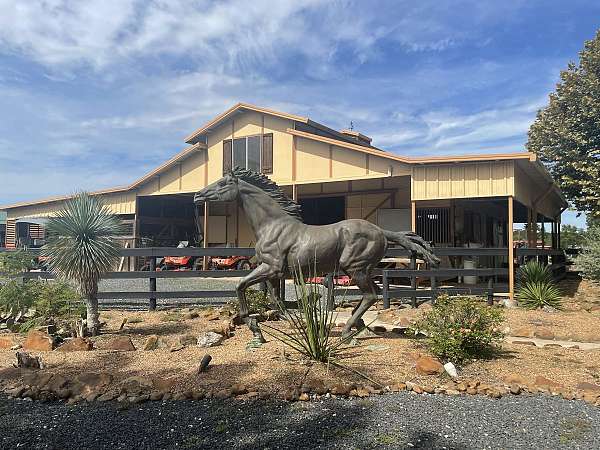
(205,241)
(413,216)
(511,250)
(295,192)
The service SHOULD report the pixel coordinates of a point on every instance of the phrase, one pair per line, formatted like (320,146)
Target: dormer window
(248,153)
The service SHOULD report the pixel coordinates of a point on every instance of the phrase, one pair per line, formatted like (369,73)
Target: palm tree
(81,246)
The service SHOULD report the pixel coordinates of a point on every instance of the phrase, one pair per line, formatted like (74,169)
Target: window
(248,153)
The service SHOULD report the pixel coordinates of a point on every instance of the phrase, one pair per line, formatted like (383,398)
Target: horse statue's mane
(270,188)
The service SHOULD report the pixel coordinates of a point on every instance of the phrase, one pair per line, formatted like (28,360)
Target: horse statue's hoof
(252,323)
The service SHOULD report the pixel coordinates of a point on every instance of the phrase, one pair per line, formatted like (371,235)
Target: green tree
(81,247)
(566,133)
(571,236)
(589,259)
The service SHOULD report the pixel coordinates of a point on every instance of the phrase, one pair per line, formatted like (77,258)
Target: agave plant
(534,272)
(535,295)
(81,247)
(536,287)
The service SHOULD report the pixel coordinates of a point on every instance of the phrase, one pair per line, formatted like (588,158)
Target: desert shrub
(310,326)
(588,262)
(258,302)
(35,303)
(459,329)
(13,263)
(536,287)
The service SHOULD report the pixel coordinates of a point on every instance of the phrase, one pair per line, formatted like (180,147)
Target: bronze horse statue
(284,243)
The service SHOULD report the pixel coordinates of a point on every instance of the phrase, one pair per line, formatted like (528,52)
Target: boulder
(151,343)
(77,344)
(427,365)
(209,339)
(38,341)
(116,343)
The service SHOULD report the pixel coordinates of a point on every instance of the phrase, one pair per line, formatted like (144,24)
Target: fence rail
(387,275)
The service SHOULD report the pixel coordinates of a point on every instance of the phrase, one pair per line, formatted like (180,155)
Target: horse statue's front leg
(262,273)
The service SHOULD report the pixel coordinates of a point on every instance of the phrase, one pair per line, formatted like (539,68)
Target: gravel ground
(392,421)
(178,284)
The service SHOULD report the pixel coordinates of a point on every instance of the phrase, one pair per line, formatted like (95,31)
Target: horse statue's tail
(413,243)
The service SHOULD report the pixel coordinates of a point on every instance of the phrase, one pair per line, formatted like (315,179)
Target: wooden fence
(433,275)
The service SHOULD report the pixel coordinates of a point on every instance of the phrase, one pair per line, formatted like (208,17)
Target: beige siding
(463,180)
(118,203)
(312,160)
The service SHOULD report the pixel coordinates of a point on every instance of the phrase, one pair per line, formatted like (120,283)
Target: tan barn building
(451,201)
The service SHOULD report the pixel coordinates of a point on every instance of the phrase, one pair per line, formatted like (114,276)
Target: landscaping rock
(238,389)
(26,361)
(524,343)
(77,344)
(38,341)
(515,389)
(515,379)
(116,343)
(108,396)
(191,315)
(589,387)
(88,382)
(151,343)
(451,370)
(136,385)
(427,365)
(403,322)
(544,333)
(523,332)
(541,381)
(209,339)
(8,342)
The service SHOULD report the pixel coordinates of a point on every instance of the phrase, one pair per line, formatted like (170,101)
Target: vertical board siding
(460,180)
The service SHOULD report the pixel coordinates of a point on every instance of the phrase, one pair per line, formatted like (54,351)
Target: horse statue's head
(225,189)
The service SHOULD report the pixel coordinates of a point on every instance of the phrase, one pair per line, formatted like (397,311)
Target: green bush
(35,303)
(588,262)
(258,302)
(459,329)
(13,263)
(536,287)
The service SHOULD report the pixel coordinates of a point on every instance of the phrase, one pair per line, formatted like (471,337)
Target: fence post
(386,294)
(330,285)
(433,290)
(490,294)
(413,279)
(152,306)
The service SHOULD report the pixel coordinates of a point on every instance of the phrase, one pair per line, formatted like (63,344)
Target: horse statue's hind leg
(369,290)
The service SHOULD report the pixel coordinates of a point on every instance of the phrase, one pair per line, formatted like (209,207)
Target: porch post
(413,216)
(205,240)
(511,251)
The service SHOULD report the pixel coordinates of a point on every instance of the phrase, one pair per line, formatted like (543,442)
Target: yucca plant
(81,247)
(311,325)
(537,294)
(536,287)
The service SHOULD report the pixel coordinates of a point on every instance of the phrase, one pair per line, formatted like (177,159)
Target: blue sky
(94,94)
